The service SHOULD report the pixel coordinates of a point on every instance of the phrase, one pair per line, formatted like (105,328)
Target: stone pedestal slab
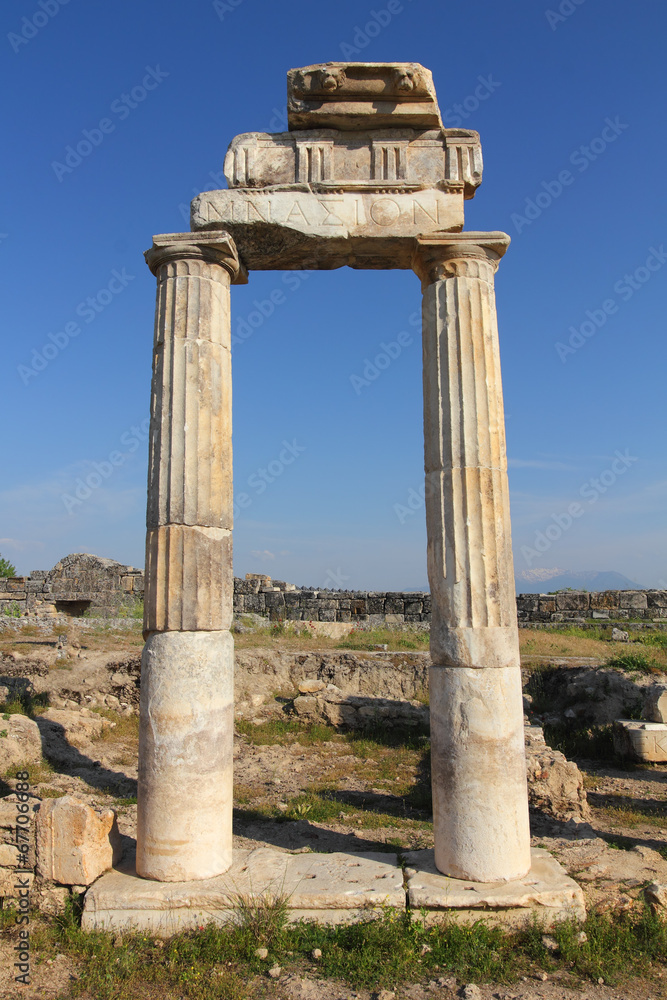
(546,893)
(326,888)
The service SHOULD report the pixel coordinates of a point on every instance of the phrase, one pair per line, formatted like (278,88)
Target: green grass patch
(655,639)
(25,703)
(220,962)
(285,731)
(591,742)
(637,662)
(395,639)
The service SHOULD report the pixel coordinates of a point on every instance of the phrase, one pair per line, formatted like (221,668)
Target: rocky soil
(302,783)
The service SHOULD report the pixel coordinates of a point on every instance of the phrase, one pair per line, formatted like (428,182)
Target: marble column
(480,800)
(184,825)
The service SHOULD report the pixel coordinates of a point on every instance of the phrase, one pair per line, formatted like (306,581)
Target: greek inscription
(297,211)
(384,211)
(331,219)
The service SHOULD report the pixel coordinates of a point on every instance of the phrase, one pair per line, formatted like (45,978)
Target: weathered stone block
(547,605)
(632,599)
(20,741)
(572,602)
(644,741)
(75,843)
(656,599)
(655,704)
(546,894)
(606,600)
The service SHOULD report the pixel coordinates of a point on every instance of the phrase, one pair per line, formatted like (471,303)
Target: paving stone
(546,892)
(326,888)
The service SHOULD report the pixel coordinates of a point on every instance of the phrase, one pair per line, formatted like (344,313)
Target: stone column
(480,800)
(184,825)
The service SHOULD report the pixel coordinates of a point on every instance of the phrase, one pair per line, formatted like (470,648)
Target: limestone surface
(646,741)
(327,161)
(20,742)
(327,888)
(546,893)
(75,843)
(361,95)
(184,822)
(300,228)
(655,703)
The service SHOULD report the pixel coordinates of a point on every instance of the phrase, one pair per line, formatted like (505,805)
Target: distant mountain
(541,581)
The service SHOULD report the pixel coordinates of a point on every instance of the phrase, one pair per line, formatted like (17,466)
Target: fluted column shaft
(480,803)
(184,828)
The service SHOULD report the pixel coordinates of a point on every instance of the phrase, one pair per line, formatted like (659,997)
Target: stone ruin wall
(90,583)
(78,583)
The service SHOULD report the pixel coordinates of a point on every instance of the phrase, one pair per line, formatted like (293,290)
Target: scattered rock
(618,635)
(550,943)
(275,971)
(656,894)
(20,742)
(655,704)
(471,992)
(311,686)
(78,725)
(555,784)
(316,954)
(262,953)
(75,843)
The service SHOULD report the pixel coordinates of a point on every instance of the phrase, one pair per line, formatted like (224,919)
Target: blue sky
(573,87)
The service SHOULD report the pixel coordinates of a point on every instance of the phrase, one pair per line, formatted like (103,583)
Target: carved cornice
(450,255)
(218,249)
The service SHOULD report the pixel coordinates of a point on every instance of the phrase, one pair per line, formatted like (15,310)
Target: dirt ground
(303,787)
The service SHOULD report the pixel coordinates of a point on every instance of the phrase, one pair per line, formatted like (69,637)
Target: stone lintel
(352,95)
(434,253)
(379,160)
(546,893)
(326,888)
(216,249)
(294,227)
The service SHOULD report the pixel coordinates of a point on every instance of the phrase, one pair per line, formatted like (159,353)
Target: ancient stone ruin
(365,177)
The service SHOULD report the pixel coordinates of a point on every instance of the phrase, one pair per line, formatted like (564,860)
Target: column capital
(449,255)
(215,249)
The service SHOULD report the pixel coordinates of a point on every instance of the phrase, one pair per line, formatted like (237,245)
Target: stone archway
(366,177)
